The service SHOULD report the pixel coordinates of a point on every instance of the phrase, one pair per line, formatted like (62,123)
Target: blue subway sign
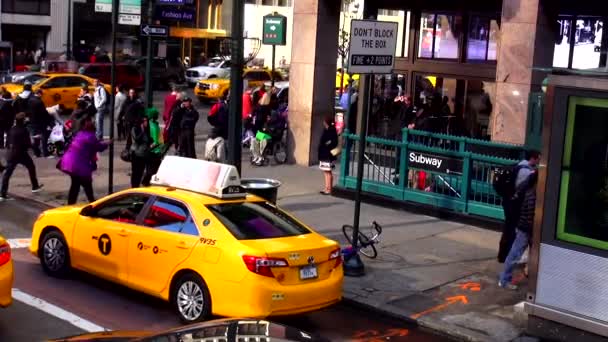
(175,14)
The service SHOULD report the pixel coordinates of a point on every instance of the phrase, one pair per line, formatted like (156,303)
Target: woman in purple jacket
(79,161)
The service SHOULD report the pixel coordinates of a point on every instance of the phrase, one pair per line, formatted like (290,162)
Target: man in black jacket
(19,143)
(40,120)
(189,117)
(7,116)
(133,114)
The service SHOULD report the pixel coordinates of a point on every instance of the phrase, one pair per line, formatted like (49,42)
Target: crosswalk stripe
(19,243)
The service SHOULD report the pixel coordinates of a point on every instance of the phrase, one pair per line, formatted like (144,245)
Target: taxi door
(165,239)
(101,236)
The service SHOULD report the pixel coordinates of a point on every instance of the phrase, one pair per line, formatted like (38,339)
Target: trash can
(268,189)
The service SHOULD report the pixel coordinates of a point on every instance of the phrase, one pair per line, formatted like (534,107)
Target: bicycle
(365,244)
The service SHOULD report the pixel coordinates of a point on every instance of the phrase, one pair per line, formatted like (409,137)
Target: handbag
(336,151)
(125,155)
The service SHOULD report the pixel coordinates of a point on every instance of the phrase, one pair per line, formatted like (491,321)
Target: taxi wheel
(55,258)
(191,299)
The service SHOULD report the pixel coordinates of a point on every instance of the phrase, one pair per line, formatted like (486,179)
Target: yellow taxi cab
(57,88)
(347,79)
(6,274)
(216,88)
(197,240)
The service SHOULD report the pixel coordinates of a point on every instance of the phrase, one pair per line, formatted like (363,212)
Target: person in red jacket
(170,101)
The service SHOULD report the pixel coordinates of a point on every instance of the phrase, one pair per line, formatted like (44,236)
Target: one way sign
(154,30)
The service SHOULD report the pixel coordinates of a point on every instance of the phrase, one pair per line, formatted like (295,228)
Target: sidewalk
(440,273)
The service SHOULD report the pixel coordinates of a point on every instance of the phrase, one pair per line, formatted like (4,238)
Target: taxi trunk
(294,260)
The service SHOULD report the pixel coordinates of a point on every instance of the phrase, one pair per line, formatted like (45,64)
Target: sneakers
(38,189)
(508,286)
(4,199)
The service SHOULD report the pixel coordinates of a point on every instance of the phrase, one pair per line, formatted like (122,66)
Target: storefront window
(588,43)
(36,7)
(425,44)
(402,18)
(586,33)
(439,36)
(583,200)
(389,109)
(482,39)
(456,106)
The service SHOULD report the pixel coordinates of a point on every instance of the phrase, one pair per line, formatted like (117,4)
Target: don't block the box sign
(214,179)
(372,47)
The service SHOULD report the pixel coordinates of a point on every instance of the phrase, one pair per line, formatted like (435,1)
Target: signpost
(274,33)
(372,50)
(129,11)
(103,6)
(175,14)
(154,30)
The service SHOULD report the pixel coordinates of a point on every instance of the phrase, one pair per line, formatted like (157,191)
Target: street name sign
(274,29)
(103,6)
(372,47)
(154,30)
(174,14)
(175,2)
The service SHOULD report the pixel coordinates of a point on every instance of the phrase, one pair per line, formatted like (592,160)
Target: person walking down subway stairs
(19,142)
(140,151)
(189,118)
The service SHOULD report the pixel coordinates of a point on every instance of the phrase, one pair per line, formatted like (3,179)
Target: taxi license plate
(308,272)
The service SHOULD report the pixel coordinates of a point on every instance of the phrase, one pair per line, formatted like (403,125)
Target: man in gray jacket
(101,102)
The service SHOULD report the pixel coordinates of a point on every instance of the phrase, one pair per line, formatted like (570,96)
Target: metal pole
(148,84)
(113,97)
(68,44)
(274,51)
(366,105)
(236,85)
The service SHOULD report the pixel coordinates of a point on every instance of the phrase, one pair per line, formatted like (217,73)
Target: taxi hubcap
(190,300)
(54,254)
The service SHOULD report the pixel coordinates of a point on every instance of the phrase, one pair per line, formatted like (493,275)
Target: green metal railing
(463,183)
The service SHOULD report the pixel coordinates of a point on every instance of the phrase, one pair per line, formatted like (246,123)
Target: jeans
(24,160)
(517,250)
(511,210)
(152,165)
(77,182)
(258,147)
(138,166)
(186,143)
(40,142)
(99,116)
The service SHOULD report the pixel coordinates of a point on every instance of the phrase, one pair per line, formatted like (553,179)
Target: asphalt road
(50,308)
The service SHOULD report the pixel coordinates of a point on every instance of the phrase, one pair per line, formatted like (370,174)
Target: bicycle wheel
(365,245)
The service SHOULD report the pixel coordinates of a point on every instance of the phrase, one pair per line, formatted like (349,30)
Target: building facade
(483,58)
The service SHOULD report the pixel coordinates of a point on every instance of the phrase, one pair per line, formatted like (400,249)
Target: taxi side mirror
(86,211)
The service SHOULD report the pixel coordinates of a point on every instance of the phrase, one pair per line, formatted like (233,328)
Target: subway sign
(434,163)
(274,30)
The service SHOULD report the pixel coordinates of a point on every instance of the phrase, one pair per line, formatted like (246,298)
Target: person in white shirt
(100,100)
(119,103)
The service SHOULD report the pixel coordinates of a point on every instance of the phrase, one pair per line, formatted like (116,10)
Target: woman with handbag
(328,151)
(79,161)
(140,151)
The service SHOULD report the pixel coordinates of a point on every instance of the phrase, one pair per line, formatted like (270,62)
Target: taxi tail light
(5,253)
(336,254)
(262,265)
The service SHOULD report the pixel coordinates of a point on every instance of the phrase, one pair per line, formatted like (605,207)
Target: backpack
(504,180)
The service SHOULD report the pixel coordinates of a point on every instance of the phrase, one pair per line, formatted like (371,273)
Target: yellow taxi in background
(56,88)
(216,88)
(6,274)
(347,79)
(198,241)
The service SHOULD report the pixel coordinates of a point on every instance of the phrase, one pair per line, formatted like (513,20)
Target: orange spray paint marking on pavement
(475,287)
(448,301)
(377,336)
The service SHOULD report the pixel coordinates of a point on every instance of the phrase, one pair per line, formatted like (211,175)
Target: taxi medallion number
(308,272)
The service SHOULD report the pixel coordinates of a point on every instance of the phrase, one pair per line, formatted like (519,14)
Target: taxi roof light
(200,176)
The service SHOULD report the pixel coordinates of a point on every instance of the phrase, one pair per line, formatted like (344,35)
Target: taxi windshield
(256,220)
(33,79)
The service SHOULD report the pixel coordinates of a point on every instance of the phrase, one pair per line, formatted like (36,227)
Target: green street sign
(274,29)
